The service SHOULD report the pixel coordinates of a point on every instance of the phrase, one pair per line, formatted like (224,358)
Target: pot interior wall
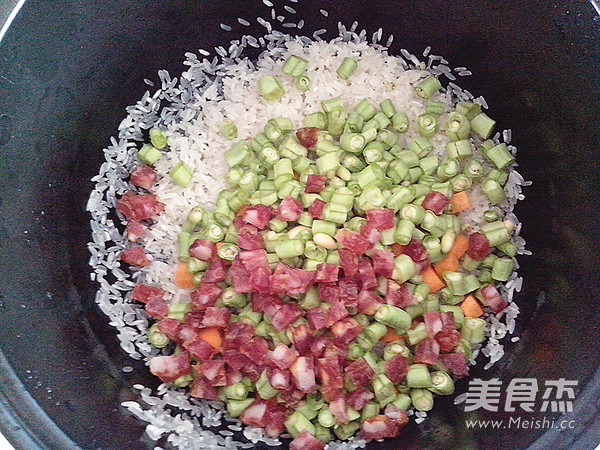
(69,68)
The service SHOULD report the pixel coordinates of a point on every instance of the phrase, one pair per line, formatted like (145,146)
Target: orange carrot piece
(448,264)
(213,336)
(470,307)
(242,210)
(432,279)
(396,249)
(461,244)
(391,336)
(460,202)
(183,278)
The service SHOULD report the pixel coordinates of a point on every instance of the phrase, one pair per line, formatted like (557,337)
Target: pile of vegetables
(334,286)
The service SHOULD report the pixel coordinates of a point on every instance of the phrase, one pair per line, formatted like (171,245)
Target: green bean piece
(404,268)
(394,317)
(436,108)
(500,156)
(369,410)
(237,391)
(417,334)
(400,122)
(336,121)
(326,418)
(468,109)
(422,399)
(235,408)
(181,174)
(508,248)
(418,376)
(485,276)
(294,66)
(483,126)
(473,169)
(156,338)
(316,120)
(303,83)
(178,311)
(322,433)
(158,138)
(384,389)
(493,191)
(395,348)
(347,68)
(402,401)
(496,232)
(491,216)
(228,130)
(270,88)
(232,299)
(427,87)
(427,124)
(473,330)
(421,147)
(457,126)
(149,154)
(297,423)
(460,149)
(366,109)
(346,431)
(387,107)
(442,383)
(471,283)
(352,142)
(503,268)
(264,388)
(499,176)
(404,231)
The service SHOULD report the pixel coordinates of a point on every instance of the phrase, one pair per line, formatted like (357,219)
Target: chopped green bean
(427,87)
(387,107)
(502,269)
(442,383)
(294,66)
(303,83)
(149,154)
(427,124)
(418,376)
(270,88)
(347,68)
(483,126)
(228,130)
(158,138)
(422,399)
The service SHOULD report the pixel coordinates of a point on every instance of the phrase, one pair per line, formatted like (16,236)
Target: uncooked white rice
(191,109)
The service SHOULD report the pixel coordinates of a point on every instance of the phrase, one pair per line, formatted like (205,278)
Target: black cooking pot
(67,70)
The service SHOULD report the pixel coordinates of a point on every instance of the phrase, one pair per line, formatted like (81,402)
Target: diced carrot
(432,279)
(460,202)
(396,249)
(242,210)
(183,278)
(470,306)
(448,264)
(391,336)
(213,336)
(461,244)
